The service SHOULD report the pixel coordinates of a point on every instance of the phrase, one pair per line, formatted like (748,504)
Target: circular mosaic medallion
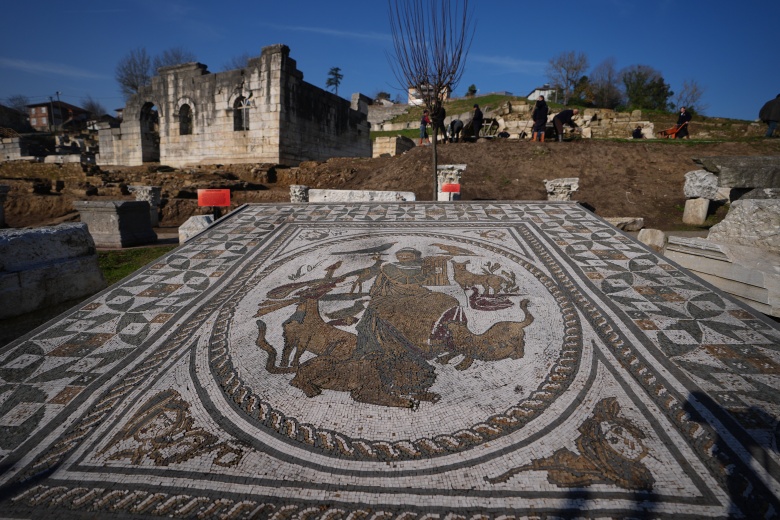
(447,342)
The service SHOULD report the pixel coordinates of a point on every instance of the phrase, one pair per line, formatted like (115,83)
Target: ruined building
(264,112)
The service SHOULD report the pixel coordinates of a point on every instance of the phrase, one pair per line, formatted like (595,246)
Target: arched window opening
(241,114)
(185,120)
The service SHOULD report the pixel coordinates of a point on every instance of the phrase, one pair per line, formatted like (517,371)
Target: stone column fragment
(448,174)
(299,193)
(152,195)
(561,189)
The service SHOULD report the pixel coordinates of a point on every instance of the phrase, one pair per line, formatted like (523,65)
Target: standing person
(477,120)
(456,127)
(770,114)
(682,124)
(564,117)
(539,116)
(424,122)
(438,116)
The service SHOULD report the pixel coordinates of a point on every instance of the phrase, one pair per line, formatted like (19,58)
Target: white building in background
(545,90)
(417,98)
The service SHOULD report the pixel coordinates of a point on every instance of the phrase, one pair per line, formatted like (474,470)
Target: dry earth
(617,178)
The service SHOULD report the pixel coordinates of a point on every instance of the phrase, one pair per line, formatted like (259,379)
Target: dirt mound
(616,178)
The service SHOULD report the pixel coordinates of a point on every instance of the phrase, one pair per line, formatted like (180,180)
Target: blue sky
(729,48)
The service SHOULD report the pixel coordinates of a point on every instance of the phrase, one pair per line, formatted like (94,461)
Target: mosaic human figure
(611,450)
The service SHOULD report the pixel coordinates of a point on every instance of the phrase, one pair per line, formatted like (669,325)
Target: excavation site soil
(616,178)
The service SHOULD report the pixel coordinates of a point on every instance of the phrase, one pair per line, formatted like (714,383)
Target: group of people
(436,122)
(769,114)
(539,117)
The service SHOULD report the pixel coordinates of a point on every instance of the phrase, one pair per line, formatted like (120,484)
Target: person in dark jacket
(539,117)
(564,117)
(682,123)
(770,114)
(477,121)
(437,118)
(456,127)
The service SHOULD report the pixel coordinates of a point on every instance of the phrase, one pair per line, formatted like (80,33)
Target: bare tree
(134,71)
(690,97)
(237,62)
(565,71)
(605,85)
(173,56)
(92,106)
(431,40)
(19,102)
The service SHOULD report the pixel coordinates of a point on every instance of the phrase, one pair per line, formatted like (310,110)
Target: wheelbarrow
(671,133)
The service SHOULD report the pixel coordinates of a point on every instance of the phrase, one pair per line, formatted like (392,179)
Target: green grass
(116,265)
(411,133)
(460,105)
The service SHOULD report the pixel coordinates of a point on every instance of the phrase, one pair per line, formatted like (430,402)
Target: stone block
(701,184)
(41,267)
(750,222)
(193,226)
(117,223)
(359,196)
(744,171)
(747,273)
(695,213)
(654,238)
(627,223)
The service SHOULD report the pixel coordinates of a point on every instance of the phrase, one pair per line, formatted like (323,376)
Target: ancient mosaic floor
(437,361)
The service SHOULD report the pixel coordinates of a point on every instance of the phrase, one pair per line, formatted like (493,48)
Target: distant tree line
(633,87)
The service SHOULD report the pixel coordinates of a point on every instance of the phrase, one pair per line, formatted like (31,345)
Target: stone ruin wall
(289,120)
(12,149)
(516,118)
(596,122)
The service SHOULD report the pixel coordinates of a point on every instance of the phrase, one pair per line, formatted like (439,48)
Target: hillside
(617,178)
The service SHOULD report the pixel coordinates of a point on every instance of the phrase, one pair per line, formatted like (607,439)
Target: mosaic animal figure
(374,379)
(490,283)
(306,331)
(488,303)
(503,340)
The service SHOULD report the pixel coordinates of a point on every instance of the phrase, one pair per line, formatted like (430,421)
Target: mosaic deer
(466,279)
